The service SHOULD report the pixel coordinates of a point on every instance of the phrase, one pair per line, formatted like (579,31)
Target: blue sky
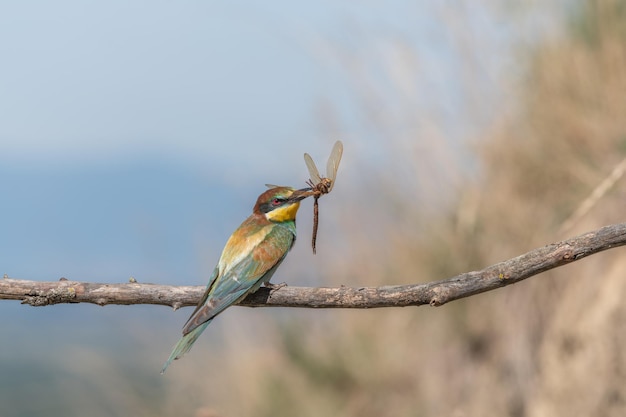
(207,82)
(97,80)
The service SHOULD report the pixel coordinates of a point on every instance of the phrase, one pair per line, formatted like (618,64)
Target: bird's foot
(274,287)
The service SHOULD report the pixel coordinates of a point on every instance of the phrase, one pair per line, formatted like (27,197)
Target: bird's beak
(301,194)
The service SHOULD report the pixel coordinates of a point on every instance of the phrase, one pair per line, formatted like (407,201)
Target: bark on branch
(436,293)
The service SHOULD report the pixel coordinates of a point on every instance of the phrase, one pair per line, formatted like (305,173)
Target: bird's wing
(244,277)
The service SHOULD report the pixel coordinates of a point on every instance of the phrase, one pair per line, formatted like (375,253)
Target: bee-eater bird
(251,256)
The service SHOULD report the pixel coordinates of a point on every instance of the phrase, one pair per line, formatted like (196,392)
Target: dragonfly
(322,185)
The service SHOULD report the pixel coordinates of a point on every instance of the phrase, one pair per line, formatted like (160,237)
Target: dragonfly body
(322,185)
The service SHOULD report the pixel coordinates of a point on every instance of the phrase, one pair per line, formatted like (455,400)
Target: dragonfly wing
(333,163)
(315,175)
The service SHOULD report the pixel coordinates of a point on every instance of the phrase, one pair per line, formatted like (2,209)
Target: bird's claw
(274,287)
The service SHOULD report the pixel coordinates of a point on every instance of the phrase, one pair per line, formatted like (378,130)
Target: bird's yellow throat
(283,214)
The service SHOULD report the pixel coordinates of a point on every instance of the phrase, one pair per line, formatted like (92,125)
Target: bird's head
(280,204)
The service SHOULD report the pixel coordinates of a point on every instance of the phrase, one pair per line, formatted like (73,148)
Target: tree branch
(436,293)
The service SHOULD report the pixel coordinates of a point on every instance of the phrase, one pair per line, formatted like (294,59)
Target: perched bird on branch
(251,256)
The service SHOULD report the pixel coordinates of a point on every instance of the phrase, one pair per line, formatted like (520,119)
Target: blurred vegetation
(551,346)
(554,345)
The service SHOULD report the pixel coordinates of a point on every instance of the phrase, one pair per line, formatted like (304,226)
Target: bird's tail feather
(184,344)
